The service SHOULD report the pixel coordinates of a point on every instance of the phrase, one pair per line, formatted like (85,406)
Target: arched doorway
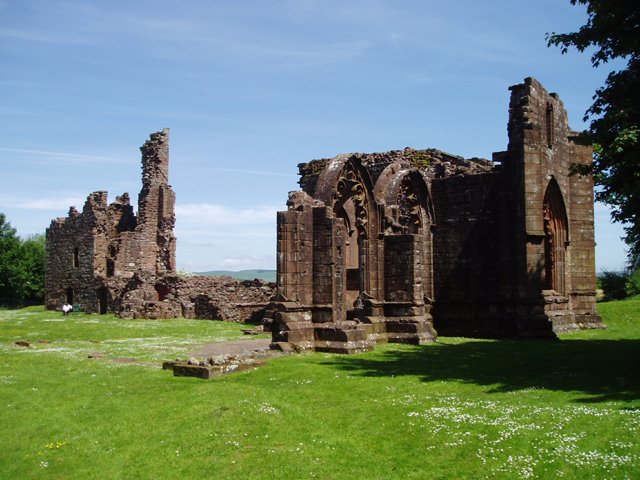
(556,236)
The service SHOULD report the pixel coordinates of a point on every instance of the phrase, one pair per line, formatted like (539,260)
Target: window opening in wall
(162,291)
(110,267)
(76,257)
(549,125)
(102,300)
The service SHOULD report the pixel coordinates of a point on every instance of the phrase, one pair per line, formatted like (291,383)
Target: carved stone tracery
(350,189)
(409,208)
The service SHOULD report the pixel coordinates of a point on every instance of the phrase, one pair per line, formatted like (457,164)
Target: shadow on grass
(603,370)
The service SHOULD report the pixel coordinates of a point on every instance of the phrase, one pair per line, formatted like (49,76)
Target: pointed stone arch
(415,208)
(409,193)
(353,203)
(556,238)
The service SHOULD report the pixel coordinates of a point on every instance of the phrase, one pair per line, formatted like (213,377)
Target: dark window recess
(110,268)
(162,291)
(549,125)
(353,279)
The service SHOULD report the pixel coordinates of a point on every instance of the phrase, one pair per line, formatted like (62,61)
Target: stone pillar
(292,327)
(405,317)
(329,282)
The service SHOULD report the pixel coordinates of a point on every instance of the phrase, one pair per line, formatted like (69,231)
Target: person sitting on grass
(66,309)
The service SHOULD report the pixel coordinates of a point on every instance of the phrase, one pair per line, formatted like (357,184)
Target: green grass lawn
(458,408)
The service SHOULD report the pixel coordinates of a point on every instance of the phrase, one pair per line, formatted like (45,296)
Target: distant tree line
(21,267)
(619,284)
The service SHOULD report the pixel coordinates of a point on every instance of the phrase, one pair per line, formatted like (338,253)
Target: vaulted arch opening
(556,238)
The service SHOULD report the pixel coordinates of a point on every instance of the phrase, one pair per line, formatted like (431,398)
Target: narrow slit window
(110,267)
(549,125)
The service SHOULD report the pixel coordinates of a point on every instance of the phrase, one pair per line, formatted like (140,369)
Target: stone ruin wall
(355,250)
(196,296)
(84,256)
(470,247)
(474,255)
(108,259)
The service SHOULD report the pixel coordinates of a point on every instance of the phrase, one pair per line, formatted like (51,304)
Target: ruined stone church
(382,247)
(396,246)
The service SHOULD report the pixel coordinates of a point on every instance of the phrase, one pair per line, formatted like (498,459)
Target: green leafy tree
(612,32)
(633,283)
(9,252)
(21,266)
(6,230)
(32,269)
(614,284)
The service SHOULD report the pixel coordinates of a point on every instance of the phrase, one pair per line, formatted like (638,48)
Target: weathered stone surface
(374,248)
(108,259)
(92,255)
(218,365)
(392,244)
(201,297)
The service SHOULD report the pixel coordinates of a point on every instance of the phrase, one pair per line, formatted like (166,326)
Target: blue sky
(252,88)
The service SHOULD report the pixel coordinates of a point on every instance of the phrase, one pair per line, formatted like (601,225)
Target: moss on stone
(420,159)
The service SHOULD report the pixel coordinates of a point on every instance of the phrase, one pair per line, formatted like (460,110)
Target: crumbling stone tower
(91,256)
(386,246)
(108,259)
(156,208)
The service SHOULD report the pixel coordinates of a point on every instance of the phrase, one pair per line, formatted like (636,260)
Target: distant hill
(266,275)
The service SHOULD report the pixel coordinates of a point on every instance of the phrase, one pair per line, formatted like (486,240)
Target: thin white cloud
(211,214)
(248,262)
(264,262)
(206,236)
(254,172)
(164,33)
(31,36)
(59,203)
(75,157)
